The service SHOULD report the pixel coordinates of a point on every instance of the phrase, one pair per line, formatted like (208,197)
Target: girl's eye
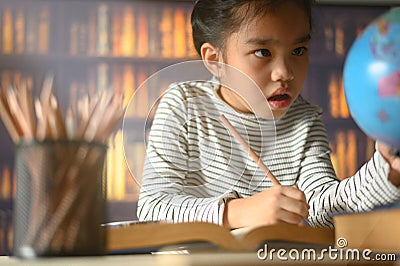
(262,53)
(299,51)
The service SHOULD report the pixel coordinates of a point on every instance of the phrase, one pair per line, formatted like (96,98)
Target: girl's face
(273,51)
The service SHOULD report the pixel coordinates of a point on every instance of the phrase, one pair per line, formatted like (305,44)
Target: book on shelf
(191,50)
(2,232)
(123,170)
(19,26)
(44,30)
(180,46)
(25,29)
(6,231)
(377,230)
(116,30)
(7,192)
(106,30)
(128,85)
(344,153)
(116,168)
(166,32)
(128,37)
(340,48)
(337,100)
(328,38)
(142,32)
(337,32)
(6,183)
(92,32)
(7,32)
(136,237)
(74,38)
(154,34)
(32,21)
(142,94)
(102,30)
(127,30)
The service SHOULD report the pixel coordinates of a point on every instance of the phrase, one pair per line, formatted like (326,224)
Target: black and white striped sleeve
(368,188)
(164,194)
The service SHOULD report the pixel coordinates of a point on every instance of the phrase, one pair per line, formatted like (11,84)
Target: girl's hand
(393,161)
(271,206)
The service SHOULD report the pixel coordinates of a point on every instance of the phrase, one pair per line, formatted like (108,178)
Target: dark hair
(214,20)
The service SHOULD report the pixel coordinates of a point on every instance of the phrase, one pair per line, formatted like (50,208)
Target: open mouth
(280,100)
(279,97)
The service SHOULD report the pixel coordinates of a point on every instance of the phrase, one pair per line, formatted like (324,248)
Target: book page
(239,233)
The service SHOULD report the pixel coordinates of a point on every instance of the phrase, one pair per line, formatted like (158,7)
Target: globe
(371,79)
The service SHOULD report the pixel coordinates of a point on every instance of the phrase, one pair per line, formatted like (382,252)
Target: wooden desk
(198,259)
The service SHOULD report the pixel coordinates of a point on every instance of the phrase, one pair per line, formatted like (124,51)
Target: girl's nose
(281,71)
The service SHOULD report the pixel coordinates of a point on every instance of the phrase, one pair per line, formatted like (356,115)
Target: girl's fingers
(396,164)
(294,193)
(393,160)
(290,217)
(293,205)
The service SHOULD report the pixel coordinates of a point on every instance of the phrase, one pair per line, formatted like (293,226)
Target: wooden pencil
(252,154)
(16,111)
(8,120)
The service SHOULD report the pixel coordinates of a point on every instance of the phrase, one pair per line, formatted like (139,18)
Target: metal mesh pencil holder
(60,199)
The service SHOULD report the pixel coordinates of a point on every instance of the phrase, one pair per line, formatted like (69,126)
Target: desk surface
(201,259)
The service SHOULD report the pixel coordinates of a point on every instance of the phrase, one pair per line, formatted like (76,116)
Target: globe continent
(372,79)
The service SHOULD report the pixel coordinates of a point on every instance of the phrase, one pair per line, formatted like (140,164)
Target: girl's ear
(211,58)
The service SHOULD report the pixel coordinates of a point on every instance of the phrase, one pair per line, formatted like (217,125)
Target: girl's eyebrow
(260,41)
(303,39)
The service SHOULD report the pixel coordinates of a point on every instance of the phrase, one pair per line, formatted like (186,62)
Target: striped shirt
(194,166)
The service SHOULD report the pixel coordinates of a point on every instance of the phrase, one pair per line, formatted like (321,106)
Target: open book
(133,237)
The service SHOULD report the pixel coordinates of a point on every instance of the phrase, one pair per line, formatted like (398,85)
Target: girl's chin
(279,108)
(278,113)
(270,114)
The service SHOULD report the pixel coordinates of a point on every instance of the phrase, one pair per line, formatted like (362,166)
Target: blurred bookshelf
(336,26)
(101,45)
(90,46)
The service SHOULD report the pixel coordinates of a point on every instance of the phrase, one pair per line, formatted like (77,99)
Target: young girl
(196,171)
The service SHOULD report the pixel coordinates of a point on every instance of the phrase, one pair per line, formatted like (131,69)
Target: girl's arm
(166,192)
(166,196)
(368,188)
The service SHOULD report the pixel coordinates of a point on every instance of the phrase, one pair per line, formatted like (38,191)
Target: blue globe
(372,79)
